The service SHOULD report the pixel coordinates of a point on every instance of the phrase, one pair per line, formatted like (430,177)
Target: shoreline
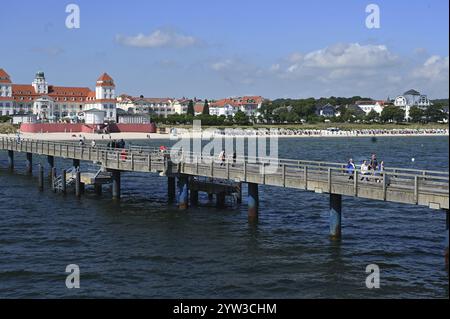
(159,136)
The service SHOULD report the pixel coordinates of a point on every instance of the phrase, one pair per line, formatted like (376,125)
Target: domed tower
(39,83)
(105,95)
(105,88)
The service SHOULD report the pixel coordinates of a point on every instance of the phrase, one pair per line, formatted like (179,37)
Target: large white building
(250,105)
(409,99)
(153,106)
(368,106)
(54,103)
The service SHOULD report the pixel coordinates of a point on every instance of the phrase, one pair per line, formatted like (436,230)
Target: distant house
(371,105)
(198,107)
(356,110)
(326,110)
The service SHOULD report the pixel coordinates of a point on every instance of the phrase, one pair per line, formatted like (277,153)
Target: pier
(199,173)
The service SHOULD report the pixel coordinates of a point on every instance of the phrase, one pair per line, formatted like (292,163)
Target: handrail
(144,151)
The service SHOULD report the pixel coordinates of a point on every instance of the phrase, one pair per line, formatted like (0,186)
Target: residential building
(326,110)
(371,105)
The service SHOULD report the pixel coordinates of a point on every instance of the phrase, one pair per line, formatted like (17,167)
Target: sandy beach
(208,135)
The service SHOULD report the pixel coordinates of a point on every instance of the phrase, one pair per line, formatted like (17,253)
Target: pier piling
(98,189)
(171,189)
(51,163)
(41,178)
(29,166)
(193,197)
(11,160)
(53,178)
(335,216)
(63,181)
(78,184)
(115,184)
(253,202)
(446,238)
(183,192)
(220,200)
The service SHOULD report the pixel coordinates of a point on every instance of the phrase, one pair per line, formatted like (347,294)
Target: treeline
(240,118)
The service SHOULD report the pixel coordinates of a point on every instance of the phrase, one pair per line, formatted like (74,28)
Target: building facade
(369,106)
(409,99)
(52,103)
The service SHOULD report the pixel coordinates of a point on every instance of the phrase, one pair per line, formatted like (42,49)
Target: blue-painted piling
(11,160)
(183,192)
(335,216)
(253,202)
(29,159)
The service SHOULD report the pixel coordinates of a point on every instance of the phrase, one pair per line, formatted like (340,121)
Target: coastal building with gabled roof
(54,103)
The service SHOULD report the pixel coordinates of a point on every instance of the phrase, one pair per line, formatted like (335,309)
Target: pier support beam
(11,160)
(78,184)
(171,189)
(335,216)
(193,197)
(183,191)
(29,166)
(210,196)
(41,178)
(253,202)
(115,184)
(220,200)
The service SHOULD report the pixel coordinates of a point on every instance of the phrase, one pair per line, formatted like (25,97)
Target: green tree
(206,108)
(190,108)
(392,114)
(373,116)
(240,118)
(434,113)
(416,114)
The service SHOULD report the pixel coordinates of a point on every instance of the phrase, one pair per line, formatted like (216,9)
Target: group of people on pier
(367,169)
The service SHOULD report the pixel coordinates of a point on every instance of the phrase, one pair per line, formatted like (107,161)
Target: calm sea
(143,247)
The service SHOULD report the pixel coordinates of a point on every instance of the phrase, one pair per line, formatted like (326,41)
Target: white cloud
(158,39)
(435,68)
(343,56)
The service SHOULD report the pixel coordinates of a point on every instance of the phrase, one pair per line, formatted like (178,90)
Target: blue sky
(216,49)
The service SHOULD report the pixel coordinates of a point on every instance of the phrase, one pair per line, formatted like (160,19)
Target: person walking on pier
(222,157)
(350,168)
(365,170)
